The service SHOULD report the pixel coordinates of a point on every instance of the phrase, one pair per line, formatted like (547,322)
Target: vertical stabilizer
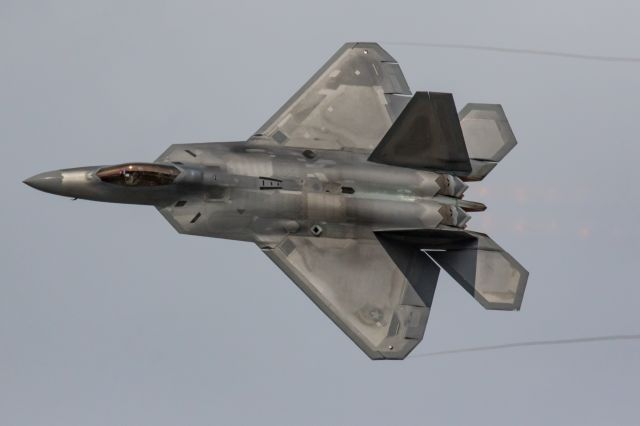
(425,136)
(486,271)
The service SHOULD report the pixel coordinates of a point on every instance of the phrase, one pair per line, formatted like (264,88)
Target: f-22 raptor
(354,188)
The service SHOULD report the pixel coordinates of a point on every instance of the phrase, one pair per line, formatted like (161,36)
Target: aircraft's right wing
(379,296)
(348,104)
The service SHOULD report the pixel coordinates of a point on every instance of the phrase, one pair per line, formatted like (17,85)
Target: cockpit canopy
(139,174)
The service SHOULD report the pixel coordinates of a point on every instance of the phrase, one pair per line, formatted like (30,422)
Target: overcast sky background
(109,317)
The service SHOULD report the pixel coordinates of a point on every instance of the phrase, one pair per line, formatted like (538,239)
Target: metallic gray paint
(351,233)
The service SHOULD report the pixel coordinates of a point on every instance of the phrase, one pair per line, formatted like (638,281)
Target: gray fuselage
(261,194)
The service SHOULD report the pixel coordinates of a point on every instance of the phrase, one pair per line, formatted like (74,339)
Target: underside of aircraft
(354,188)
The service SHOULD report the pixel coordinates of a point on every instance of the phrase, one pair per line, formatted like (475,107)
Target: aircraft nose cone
(47,182)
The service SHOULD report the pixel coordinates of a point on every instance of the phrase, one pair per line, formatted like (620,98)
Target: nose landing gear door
(215,187)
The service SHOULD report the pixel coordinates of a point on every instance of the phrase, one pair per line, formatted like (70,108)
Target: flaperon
(353,188)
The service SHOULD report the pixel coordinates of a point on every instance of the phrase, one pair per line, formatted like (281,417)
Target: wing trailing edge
(378,294)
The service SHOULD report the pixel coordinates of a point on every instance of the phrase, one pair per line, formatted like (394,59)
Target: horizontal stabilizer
(490,274)
(426,135)
(488,137)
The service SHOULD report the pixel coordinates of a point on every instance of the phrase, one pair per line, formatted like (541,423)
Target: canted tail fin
(486,271)
(426,135)
(430,135)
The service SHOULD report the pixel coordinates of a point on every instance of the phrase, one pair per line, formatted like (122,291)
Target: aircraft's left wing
(382,307)
(348,104)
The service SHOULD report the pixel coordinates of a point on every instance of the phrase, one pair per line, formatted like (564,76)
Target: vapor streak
(533,343)
(569,55)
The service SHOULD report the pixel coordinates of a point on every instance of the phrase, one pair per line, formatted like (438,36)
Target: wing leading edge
(381,303)
(348,104)
(379,290)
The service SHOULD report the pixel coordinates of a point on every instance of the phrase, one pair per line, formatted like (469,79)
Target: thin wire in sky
(569,55)
(532,343)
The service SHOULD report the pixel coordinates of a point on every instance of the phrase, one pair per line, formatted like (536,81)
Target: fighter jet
(354,188)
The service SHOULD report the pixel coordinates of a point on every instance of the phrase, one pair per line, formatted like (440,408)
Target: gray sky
(107,316)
